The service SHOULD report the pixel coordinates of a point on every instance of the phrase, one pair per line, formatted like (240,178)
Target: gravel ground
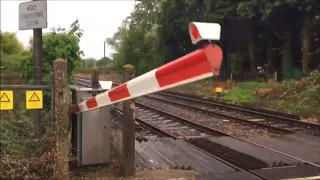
(198,105)
(220,124)
(267,121)
(169,125)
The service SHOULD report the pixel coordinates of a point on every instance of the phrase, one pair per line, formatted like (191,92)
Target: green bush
(59,43)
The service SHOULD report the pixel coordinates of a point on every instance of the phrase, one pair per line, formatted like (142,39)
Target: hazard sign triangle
(34,98)
(4,98)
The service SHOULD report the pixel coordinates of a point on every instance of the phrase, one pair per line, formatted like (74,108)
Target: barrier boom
(197,65)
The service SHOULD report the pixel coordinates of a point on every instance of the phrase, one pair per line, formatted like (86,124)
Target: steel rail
(238,119)
(158,130)
(243,109)
(232,136)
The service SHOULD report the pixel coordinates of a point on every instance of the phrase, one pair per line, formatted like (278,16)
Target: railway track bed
(157,151)
(274,123)
(176,154)
(234,157)
(236,152)
(223,124)
(246,156)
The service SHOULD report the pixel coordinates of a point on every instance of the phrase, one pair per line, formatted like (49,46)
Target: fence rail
(31,87)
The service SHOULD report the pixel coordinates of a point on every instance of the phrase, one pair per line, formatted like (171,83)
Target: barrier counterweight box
(91,132)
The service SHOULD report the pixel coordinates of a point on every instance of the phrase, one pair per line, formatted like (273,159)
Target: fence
(30,128)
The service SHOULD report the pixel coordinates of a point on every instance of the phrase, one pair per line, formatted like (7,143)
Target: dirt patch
(141,174)
(264,92)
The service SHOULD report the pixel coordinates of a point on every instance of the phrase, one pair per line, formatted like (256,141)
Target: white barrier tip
(204,31)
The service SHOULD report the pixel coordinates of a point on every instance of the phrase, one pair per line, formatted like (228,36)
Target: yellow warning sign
(218,89)
(34,100)
(6,100)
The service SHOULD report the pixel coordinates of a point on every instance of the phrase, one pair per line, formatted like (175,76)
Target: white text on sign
(34,100)
(6,100)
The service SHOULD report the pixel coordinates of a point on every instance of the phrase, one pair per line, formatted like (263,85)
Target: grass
(244,92)
(299,97)
(24,155)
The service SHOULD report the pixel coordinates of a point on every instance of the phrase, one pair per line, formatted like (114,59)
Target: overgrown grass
(244,92)
(24,155)
(300,97)
(15,132)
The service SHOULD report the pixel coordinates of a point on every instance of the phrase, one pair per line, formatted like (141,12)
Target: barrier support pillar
(128,130)
(61,102)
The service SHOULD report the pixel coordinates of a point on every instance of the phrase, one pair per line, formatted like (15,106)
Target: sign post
(33,15)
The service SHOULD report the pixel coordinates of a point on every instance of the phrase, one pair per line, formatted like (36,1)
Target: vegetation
(12,53)
(300,97)
(255,33)
(279,36)
(59,43)
(24,155)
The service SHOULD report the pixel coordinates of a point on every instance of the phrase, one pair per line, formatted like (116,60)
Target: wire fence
(25,108)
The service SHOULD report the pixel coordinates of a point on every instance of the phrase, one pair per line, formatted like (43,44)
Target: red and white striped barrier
(200,64)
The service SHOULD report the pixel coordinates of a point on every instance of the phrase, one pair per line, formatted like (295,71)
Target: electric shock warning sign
(6,100)
(34,100)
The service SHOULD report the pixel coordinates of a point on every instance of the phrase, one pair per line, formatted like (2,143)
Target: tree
(260,32)
(12,53)
(136,41)
(59,43)
(103,62)
(10,43)
(88,63)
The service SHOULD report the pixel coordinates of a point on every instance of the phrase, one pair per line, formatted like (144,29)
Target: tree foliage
(88,63)
(10,43)
(103,62)
(279,34)
(59,43)
(12,52)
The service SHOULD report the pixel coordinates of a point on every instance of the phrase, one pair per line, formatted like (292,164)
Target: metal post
(95,80)
(104,49)
(37,72)
(128,131)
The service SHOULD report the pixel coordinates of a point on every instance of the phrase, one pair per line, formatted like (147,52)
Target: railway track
(271,122)
(83,82)
(200,136)
(276,122)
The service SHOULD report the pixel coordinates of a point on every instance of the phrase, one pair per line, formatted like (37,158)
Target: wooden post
(128,131)
(61,118)
(95,80)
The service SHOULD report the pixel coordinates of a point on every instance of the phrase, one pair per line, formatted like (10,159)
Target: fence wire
(21,150)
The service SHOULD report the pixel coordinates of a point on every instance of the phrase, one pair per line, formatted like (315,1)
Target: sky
(99,20)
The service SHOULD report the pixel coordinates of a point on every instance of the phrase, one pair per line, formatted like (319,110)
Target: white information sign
(33,15)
